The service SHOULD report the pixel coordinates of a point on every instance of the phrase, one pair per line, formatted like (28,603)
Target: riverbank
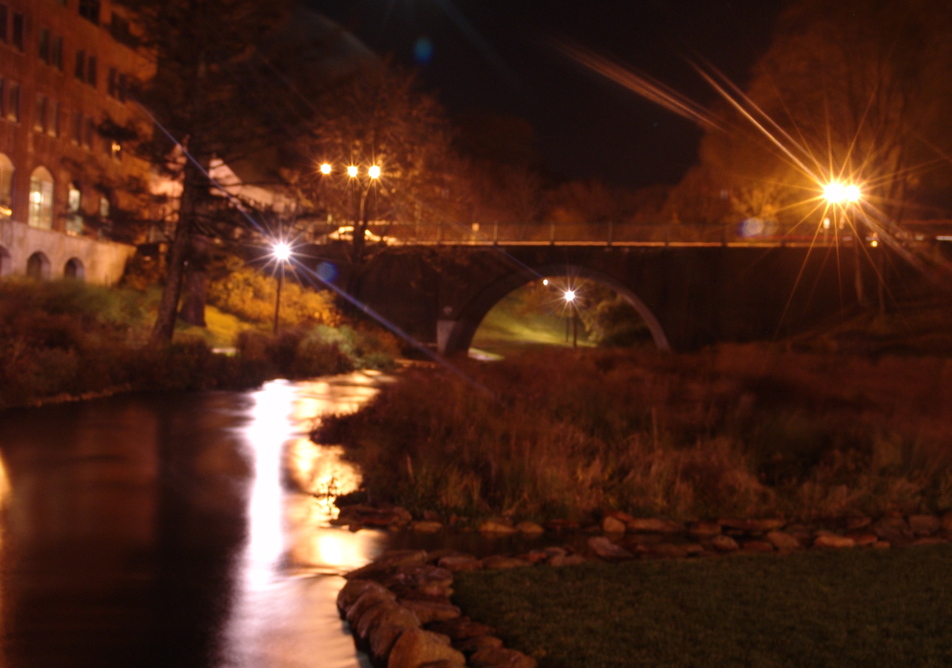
(67,341)
(738,431)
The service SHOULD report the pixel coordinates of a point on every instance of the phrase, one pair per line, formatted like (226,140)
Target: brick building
(64,65)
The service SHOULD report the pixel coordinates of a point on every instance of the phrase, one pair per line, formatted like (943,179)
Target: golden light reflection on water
(290,541)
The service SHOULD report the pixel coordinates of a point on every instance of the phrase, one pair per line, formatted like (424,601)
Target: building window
(39,115)
(74,269)
(4,20)
(74,205)
(18,30)
(53,125)
(89,132)
(6,186)
(44,45)
(80,70)
(91,71)
(89,10)
(56,52)
(40,213)
(77,126)
(112,87)
(38,267)
(3,97)
(104,208)
(13,106)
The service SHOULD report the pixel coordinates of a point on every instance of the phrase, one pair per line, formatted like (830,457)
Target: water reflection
(292,560)
(154,530)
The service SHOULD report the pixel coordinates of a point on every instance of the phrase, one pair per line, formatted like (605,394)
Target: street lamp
(281,252)
(326,168)
(569,296)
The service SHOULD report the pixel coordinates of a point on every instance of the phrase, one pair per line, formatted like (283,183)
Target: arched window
(6,186)
(38,266)
(74,205)
(74,269)
(40,213)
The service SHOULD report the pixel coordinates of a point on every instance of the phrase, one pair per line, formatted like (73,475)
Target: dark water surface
(153,530)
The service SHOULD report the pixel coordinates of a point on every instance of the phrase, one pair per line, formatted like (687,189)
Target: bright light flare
(374,172)
(837,192)
(281,251)
(326,168)
(352,171)
(569,296)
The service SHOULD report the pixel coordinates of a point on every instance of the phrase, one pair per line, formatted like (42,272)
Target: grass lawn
(510,328)
(817,608)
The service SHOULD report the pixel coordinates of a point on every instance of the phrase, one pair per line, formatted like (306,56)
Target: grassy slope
(844,608)
(510,327)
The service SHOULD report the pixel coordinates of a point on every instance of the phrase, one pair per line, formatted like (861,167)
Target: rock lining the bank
(400,610)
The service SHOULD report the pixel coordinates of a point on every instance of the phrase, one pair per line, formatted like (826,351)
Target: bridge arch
(470,316)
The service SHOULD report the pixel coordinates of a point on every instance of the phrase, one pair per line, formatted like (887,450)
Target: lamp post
(281,251)
(843,196)
(570,296)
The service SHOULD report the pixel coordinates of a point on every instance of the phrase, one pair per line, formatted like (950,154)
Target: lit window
(53,125)
(74,203)
(6,186)
(40,212)
(39,114)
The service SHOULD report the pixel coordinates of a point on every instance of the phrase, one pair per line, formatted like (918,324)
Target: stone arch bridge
(689,296)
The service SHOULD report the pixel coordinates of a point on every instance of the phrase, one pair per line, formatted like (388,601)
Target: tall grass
(739,431)
(69,339)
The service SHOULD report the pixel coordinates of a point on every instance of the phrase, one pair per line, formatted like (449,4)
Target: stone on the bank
(387,563)
(704,529)
(426,526)
(496,527)
(924,525)
(500,562)
(783,541)
(607,549)
(858,522)
(460,562)
(388,629)
(431,610)
(370,599)
(863,538)
(613,525)
(354,589)
(560,560)
(476,643)
(653,525)
(759,546)
(426,579)
(750,525)
(416,647)
(530,528)
(497,657)
(723,543)
(833,541)
(388,612)
(461,628)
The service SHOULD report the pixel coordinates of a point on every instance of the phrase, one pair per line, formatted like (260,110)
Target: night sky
(498,56)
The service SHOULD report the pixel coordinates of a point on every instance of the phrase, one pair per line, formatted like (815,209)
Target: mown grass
(843,608)
(737,431)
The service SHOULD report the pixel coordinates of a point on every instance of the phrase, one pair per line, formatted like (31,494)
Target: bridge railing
(600,234)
